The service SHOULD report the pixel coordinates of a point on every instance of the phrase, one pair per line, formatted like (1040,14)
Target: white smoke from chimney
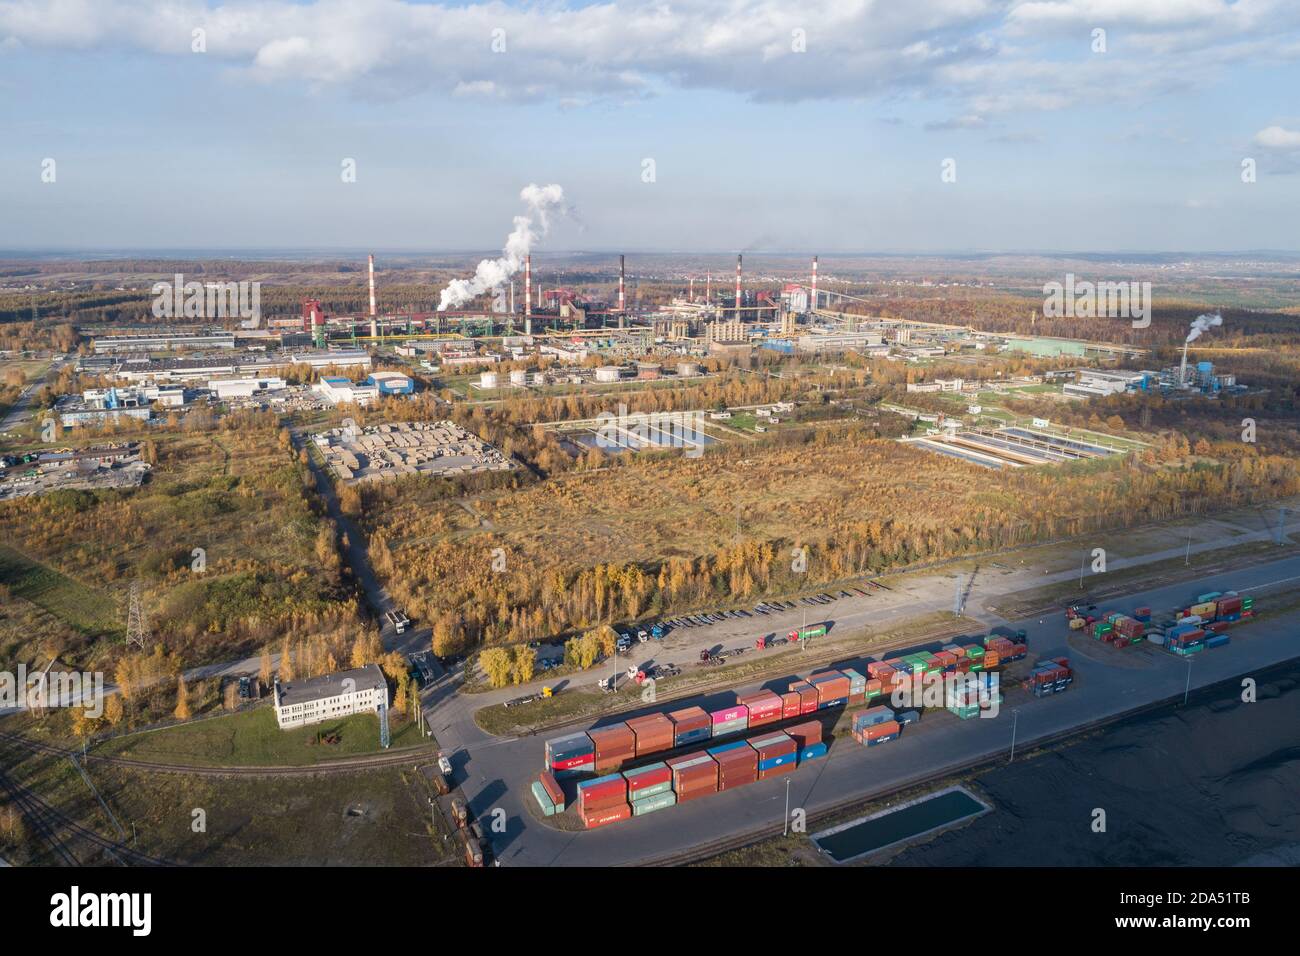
(494,273)
(1203,323)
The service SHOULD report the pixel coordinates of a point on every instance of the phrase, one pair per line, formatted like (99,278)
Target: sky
(908,126)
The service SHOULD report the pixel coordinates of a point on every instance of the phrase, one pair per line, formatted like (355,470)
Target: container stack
(807,696)
(691,724)
(778,754)
(615,745)
(805,734)
(832,689)
(737,764)
(570,756)
(1143,614)
(1049,677)
(1006,649)
(652,733)
(603,800)
(964,699)
(975,655)
(764,708)
(694,775)
(650,788)
(729,720)
(875,725)
(791,705)
(857,686)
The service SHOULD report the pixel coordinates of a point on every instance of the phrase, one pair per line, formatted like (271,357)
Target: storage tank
(519,377)
(487,380)
(608,373)
(687,369)
(648,371)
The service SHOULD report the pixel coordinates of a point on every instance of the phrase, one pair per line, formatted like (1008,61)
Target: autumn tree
(182,711)
(497,665)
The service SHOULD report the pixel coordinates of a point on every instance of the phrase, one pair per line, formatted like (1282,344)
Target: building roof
(329,685)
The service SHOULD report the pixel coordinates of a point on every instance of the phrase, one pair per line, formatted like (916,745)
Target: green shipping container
(653,791)
(651,804)
(543,801)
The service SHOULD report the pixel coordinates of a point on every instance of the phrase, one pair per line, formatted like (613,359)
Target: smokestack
(737,287)
(691,296)
(708,287)
(528,285)
(373,312)
(622,302)
(813,304)
(1182,369)
(512,296)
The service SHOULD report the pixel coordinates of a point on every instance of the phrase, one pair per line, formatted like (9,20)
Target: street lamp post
(1187,689)
(1015,719)
(785,831)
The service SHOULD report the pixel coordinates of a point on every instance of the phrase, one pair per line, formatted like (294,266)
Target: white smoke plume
(492,274)
(1203,323)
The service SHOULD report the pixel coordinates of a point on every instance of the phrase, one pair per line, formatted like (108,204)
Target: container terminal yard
(1109,683)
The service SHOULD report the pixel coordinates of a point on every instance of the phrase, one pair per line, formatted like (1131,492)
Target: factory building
(839,341)
(392,383)
(224,388)
(302,702)
(164,341)
(342,391)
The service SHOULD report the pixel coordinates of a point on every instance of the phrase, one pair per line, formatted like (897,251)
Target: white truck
(399,620)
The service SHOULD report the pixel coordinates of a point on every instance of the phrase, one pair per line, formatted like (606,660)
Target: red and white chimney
(737,287)
(373,311)
(622,302)
(812,305)
(528,285)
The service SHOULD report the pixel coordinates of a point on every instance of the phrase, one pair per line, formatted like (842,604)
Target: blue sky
(756,145)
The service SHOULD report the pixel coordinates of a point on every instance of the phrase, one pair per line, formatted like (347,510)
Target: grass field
(369,818)
(252,739)
(86,609)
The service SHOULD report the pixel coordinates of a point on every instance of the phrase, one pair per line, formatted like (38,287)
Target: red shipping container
(791,705)
(737,780)
(874,669)
(638,780)
(695,773)
(552,787)
(689,718)
(653,732)
(806,734)
(809,698)
(601,803)
(616,739)
(882,729)
(572,763)
(599,791)
(605,816)
(778,771)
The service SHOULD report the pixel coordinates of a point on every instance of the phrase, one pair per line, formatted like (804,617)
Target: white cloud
(1277,137)
(982,57)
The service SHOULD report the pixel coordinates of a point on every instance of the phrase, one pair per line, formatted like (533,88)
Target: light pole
(1015,719)
(1187,689)
(1083,560)
(1187,558)
(785,830)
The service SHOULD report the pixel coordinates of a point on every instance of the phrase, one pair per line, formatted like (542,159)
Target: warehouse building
(392,383)
(342,391)
(357,691)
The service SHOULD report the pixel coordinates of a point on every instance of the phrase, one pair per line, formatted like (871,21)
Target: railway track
(350,765)
(48,821)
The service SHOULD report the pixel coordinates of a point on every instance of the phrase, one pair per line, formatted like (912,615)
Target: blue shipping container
(723,748)
(813,752)
(771,762)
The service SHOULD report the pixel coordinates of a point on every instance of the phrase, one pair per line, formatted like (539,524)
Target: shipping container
(729,714)
(543,801)
(553,789)
(778,769)
(653,733)
(568,748)
(690,724)
(650,804)
(791,705)
(653,778)
(605,816)
(812,752)
(739,725)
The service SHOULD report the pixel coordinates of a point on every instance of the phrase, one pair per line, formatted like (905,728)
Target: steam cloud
(492,274)
(1203,323)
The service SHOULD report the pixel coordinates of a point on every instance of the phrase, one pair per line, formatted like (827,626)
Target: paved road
(913,595)
(496,772)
